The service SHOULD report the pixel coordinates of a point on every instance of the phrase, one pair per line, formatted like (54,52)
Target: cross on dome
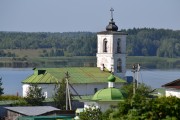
(111,26)
(111,12)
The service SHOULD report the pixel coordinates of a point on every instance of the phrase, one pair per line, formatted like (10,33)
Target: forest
(140,42)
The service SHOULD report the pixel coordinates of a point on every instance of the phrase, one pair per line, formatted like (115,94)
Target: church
(84,81)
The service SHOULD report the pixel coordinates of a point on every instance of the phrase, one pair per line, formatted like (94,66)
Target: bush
(9,97)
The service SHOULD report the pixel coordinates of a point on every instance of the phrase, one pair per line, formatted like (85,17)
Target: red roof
(173,84)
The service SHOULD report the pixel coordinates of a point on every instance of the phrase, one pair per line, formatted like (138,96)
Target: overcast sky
(87,15)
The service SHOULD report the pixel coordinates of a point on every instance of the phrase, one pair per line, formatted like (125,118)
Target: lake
(12,77)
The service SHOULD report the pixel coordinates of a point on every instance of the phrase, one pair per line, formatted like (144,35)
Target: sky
(87,15)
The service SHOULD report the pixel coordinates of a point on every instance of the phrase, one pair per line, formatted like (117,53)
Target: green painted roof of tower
(111,78)
(77,75)
(108,94)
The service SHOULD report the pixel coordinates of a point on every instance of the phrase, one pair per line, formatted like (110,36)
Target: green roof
(77,75)
(108,94)
(111,78)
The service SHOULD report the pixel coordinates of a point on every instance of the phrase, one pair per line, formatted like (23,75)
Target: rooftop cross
(112,13)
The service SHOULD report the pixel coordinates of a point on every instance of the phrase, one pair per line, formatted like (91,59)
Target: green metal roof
(77,75)
(108,94)
(111,78)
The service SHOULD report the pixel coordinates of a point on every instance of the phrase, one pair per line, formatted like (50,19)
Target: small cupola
(111,80)
(112,26)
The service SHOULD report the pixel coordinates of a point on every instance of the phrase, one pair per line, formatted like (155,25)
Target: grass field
(26,52)
(30,57)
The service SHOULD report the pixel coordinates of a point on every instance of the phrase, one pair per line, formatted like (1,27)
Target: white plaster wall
(25,88)
(47,89)
(91,104)
(109,39)
(173,92)
(88,89)
(102,105)
(109,58)
(106,105)
(82,89)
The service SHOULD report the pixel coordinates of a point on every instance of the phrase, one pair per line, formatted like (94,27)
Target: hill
(140,42)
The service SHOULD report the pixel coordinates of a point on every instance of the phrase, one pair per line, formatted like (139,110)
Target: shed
(14,112)
(172,88)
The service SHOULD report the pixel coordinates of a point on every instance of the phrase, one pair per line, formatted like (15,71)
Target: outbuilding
(172,88)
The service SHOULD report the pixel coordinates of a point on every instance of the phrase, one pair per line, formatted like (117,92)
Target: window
(95,90)
(119,65)
(105,45)
(119,45)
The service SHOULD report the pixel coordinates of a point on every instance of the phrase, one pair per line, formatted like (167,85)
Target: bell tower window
(105,45)
(119,65)
(119,46)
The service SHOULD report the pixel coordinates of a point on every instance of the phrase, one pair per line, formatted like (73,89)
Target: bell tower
(111,49)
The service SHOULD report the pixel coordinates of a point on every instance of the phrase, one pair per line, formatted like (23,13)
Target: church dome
(111,78)
(112,26)
(108,94)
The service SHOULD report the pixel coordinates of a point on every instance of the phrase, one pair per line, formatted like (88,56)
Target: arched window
(119,45)
(119,65)
(105,45)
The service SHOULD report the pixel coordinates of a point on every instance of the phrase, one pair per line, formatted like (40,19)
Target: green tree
(1,88)
(142,107)
(132,102)
(59,96)
(34,95)
(91,113)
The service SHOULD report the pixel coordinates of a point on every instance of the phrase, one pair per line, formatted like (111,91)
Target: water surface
(12,77)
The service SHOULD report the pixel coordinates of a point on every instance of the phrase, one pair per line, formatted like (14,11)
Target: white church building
(111,58)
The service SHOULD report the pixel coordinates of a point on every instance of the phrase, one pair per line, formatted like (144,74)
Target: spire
(112,26)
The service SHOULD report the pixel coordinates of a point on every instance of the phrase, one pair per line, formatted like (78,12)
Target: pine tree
(59,96)
(34,96)
(1,88)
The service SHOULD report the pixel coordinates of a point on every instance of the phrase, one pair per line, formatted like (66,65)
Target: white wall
(173,92)
(109,58)
(82,89)
(102,105)
(25,89)
(47,89)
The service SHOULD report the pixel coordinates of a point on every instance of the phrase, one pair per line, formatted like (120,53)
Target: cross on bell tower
(111,50)
(112,13)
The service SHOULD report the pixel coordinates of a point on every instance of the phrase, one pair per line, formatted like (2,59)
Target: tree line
(140,42)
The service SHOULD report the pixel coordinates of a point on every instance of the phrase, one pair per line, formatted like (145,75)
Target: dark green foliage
(21,102)
(74,43)
(9,97)
(34,95)
(91,113)
(1,88)
(60,95)
(140,42)
(142,107)
(153,42)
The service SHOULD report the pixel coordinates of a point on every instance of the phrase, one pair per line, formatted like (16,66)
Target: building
(84,80)
(14,112)
(111,49)
(104,98)
(111,58)
(172,88)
